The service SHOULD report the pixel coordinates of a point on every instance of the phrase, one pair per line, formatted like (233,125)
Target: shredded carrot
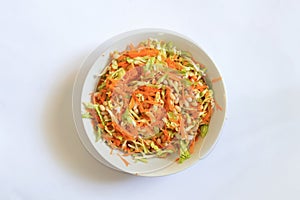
(141,108)
(148,88)
(117,142)
(169,106)
(166,135)
(194,78)
(122,131)
(192,146)
(218,107)
(185,63)
(131,103)
(123,64)
(124,160)
(111,151)
(201,88)
(173,64)
(142,53)
(121,58)
(100,126)
(208,114)
(214,80)
(94,98)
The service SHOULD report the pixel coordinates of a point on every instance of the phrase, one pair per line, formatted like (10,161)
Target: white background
(256,46)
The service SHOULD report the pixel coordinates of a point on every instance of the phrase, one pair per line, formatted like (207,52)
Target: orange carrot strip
(131,103)
(101,126)
(214,80)
(208,115)
(123,64)
(141,108)
(142,53)
(144,88)
(124,160)
(122,57)
(94,99)
(194,78)
(218,106)
(173,64)
(185,63)
(122,131)
(192,146)
(166,134)
(117,142)
(201,87)
(168,104)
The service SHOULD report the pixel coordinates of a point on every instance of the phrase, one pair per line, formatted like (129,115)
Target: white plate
(86,82)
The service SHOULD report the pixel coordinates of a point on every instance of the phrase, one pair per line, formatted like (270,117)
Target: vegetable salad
(151,100)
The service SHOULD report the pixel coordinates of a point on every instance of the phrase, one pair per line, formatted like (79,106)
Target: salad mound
(150,101)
